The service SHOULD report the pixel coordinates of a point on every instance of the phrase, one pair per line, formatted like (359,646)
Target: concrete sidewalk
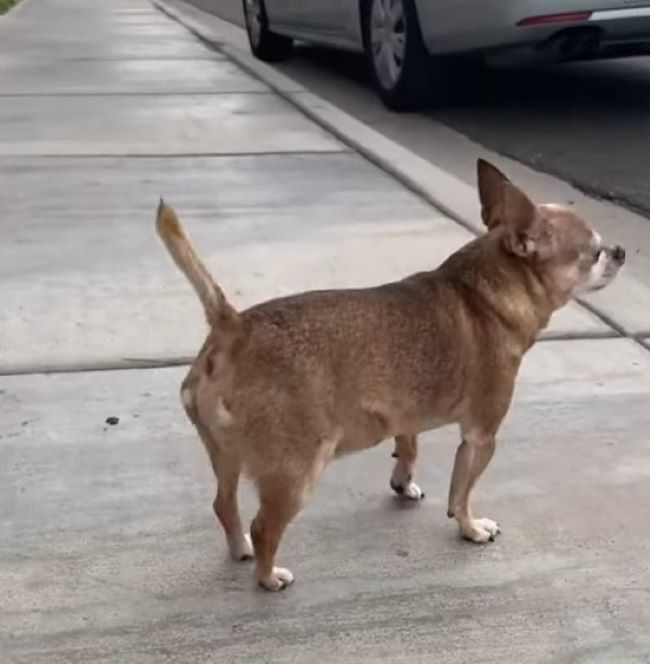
(108,549)
(276,204)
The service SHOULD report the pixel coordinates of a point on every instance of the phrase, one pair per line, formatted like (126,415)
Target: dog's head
(564,249)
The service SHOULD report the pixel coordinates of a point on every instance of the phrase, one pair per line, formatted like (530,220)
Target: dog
(281,389)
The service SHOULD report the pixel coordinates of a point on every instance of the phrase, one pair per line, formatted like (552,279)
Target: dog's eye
(597,255)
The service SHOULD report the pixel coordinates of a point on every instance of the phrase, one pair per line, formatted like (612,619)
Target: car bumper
(505,24)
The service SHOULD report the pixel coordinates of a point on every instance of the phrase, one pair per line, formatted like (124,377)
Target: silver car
(409,43)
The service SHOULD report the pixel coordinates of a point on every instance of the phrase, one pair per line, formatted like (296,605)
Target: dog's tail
(218,310)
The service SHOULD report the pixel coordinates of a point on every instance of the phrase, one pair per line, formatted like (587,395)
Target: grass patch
(6,5)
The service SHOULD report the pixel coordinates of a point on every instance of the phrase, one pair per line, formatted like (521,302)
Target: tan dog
(279,390)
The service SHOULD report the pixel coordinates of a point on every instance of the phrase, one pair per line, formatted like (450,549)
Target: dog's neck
(510,287)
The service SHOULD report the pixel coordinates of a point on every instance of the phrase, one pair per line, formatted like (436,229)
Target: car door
(283,12)
(308,16)
(323,16)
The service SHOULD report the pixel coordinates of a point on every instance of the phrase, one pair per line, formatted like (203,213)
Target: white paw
(413,492)
(409,490)
(481,531)
(242,549)
(279,579)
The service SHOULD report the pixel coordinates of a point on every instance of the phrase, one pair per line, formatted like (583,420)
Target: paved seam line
(181,93)
(170,155)
(140,58)
(140,364)
(126,364)
(622,332)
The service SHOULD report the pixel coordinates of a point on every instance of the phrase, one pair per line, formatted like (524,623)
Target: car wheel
(399,62)
(265,45)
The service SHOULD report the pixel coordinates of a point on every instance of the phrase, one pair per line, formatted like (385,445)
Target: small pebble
(112,420)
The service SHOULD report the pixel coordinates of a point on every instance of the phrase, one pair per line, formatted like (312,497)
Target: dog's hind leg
(283,492)
(401,481)
(226,507)
(227,469)
(281,498)
(226,465)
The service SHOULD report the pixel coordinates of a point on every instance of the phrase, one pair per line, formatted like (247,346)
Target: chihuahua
(281,389)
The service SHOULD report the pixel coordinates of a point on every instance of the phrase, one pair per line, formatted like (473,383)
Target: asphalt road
(587,123)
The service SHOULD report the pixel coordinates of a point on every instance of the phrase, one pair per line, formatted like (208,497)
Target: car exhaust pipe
(565,45)
(572,44)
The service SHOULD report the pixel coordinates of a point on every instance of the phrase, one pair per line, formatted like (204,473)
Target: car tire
(265,44)
(403,76)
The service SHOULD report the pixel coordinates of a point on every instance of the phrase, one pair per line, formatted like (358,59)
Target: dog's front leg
(472,457)
(401,481)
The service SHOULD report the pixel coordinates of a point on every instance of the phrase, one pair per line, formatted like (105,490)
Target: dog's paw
(242,550)
(481,531)
(279,579)
(409,490)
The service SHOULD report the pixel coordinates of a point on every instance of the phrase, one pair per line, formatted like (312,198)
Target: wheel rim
(254,20)
(388,40)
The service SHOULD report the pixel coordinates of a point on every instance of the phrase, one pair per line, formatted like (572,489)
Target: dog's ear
(527,233)
(490,189)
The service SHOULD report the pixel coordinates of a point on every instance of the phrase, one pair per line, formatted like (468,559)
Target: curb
(453,197)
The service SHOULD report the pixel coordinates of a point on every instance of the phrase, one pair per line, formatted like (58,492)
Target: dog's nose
(618,254)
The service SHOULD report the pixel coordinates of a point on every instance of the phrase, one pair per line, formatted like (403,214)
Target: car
(409,44)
